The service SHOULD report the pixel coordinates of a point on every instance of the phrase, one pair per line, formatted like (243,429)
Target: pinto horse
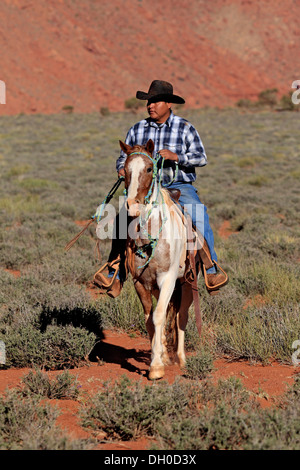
(157,256)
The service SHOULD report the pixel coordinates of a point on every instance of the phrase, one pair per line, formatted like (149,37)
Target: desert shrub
(194,416)
(199,365)
(276,282)
(259,333)
(68,108)
(245,103)
(133,104)
(129,410)
(39,384)
(44,322)
(56,348)
(104,111)
(286,103)
(268,97)
(228,418)
(25,424)
(217,423)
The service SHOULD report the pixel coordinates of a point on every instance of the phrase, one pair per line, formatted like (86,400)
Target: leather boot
(107,279)
(112,275)
(215,281)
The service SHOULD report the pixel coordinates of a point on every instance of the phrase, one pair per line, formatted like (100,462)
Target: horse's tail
(171,330)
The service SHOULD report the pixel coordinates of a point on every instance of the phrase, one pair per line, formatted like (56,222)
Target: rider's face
(159,111)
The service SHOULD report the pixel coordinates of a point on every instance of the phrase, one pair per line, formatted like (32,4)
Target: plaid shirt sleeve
(193,154)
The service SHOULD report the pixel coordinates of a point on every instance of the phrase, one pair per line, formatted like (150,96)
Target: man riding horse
(179,144)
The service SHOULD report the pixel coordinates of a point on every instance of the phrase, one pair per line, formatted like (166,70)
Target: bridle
(155,173)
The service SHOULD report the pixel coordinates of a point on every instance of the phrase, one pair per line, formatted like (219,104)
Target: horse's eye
(149,169)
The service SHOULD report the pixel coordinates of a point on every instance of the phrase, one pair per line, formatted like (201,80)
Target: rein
(100,208)
(99,212)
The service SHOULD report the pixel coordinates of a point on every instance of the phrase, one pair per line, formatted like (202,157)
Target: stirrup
(213,290)
(105,283)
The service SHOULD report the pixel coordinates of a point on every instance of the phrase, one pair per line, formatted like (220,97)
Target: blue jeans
(190,200)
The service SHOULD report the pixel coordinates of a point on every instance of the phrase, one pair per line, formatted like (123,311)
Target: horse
(156,253)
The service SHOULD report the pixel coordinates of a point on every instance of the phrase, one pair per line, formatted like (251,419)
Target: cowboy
(178,143)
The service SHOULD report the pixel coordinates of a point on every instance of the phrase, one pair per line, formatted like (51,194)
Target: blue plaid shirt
(177,135)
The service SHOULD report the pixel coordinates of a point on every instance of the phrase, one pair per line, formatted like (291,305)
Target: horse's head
(138,175)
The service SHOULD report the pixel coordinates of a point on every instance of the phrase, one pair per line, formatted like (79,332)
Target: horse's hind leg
(182,318)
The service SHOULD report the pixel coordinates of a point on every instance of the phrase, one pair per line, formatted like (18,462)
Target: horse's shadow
(111,353)
(102,351)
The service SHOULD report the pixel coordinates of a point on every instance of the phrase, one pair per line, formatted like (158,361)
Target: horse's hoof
(156,372)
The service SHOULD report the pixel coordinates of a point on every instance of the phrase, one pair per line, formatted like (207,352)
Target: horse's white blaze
(135,167)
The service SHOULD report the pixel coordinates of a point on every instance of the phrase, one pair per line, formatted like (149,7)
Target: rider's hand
(121,172)
(168,155)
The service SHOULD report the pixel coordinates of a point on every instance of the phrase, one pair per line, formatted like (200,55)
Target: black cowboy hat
(160,91)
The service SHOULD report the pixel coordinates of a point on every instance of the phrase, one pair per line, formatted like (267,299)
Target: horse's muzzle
(133,207)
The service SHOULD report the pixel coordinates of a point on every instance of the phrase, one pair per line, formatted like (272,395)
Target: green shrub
(56,348)
(287,104)
(197,416)
(199,366)
(68,108)
(133,104)
(245,103)
(104,111)
(39,384)
(229,418)
(129,410)
(268,97)
(25,424)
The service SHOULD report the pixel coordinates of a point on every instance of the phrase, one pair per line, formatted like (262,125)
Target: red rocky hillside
(93,54)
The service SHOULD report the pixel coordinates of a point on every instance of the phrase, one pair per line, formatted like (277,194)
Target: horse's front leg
(146,301)
(166,285)
(182,318)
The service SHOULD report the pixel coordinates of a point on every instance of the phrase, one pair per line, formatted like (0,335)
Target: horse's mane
(166,196)
(172,204)
(141,148)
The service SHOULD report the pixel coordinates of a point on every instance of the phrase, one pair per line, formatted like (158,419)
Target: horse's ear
(150,146)
(126,148)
